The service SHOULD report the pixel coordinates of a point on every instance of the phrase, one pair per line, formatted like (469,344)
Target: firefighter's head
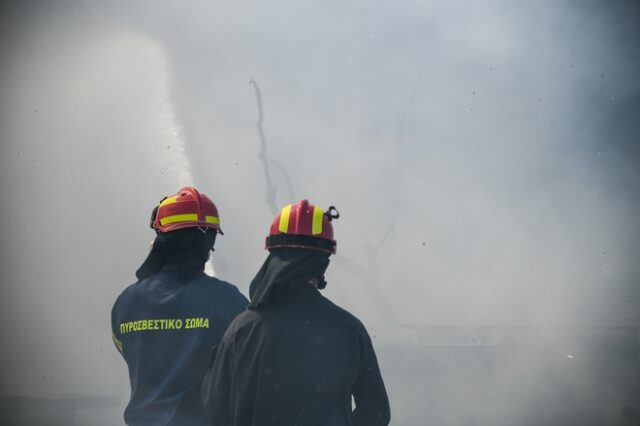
(186,225)
(188,208)
(303,226)
(305,229)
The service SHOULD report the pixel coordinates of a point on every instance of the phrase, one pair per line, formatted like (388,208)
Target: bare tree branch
(373,251)
(367,276)
(287,179)
(370,275)
(263,155)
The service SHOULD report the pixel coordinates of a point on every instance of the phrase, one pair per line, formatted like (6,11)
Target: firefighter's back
(165,329)
(296,363)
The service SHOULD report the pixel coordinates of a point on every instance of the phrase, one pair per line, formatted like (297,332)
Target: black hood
(188,249)
(284,271)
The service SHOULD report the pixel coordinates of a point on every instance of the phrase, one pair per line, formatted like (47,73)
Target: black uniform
(165,329)
(294,358)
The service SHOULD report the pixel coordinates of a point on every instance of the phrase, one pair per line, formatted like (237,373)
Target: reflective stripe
(284,219)
(168,200)
(116,342)
(189,217)
(212,219)
(316,226)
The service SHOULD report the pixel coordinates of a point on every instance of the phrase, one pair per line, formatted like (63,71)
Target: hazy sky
(483,155)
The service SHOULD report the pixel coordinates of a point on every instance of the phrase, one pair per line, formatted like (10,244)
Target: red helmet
(188,208)
(303,226)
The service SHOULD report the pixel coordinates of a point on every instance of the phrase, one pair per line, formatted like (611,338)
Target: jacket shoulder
(221,284)
(127,292)
(337,313)
(244,319)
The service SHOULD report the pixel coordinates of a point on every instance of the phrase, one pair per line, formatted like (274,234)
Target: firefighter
(293,357)
(166,323)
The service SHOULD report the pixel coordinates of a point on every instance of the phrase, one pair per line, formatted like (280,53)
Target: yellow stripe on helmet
(188,217)
(212,219)
(168,200)
(316,225)
(285,213)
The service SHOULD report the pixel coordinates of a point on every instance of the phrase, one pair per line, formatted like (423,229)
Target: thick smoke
(483,155)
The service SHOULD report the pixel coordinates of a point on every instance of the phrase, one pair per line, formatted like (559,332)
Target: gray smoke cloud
(483,155)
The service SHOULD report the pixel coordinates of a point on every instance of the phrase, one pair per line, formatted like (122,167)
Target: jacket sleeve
(242,301)
(216,386)
(115,331)
(370,396)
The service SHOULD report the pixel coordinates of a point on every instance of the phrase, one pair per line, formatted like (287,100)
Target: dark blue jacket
(297,361)
(293,357)
(165,330)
